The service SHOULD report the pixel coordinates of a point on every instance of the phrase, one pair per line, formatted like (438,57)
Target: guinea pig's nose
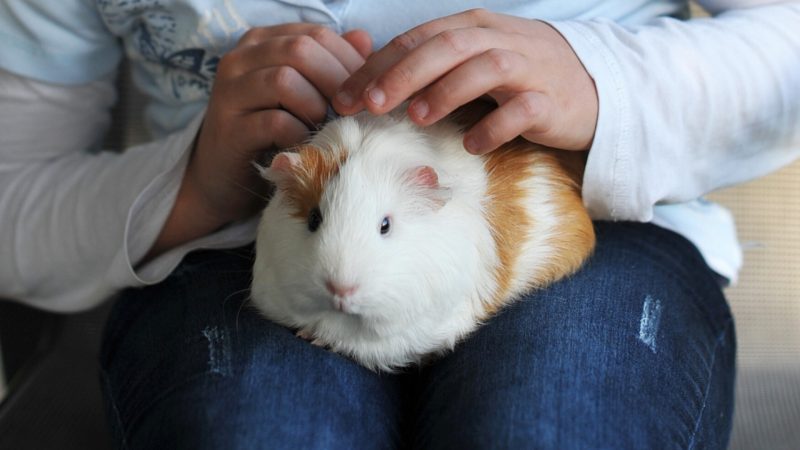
(339,290)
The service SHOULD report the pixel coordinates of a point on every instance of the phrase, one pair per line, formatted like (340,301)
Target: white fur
(422,287)
(537,249)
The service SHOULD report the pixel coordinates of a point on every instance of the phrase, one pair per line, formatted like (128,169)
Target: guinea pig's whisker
(232,294)
(239,311)
(247,189)
(239,255)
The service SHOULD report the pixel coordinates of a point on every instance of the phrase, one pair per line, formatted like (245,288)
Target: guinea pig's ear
(281,168)
(426,180)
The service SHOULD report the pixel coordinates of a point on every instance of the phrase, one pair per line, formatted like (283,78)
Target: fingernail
(344,98)
(376,95)
(419,109)
(472,145)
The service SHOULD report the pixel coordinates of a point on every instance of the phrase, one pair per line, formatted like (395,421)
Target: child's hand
(269,92)
(542,89)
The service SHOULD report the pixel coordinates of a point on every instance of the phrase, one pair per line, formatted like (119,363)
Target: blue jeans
(635,351)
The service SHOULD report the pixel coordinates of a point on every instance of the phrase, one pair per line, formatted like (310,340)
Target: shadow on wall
(2,375)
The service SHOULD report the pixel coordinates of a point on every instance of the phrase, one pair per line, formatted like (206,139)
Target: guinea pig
(388,242)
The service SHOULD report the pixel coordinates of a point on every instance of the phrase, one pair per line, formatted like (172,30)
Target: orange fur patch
(508,168)
(311,175)
(575,237)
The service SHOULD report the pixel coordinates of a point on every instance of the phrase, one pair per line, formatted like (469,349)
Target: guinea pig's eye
(386,225)
(314,219)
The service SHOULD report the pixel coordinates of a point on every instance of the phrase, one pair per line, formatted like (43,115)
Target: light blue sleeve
(62,42)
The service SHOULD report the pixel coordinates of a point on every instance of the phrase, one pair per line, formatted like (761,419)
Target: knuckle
(283,78)
(476,14)
(300,47)
(228,65)
(442,94)
(276,120)
(455,40)
(499,60)
(534,114)
(403,42)
(398,77)
(252,36)
(527,107)
(282,129)
(321,34)
(492,131)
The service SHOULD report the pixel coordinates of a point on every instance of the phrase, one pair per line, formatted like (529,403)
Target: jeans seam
(719,339)
(117,418)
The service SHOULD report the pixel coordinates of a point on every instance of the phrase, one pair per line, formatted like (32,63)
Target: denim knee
(188,364)
(634,351)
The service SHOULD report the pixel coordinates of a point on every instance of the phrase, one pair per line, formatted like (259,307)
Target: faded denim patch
(648,325)
(219,351)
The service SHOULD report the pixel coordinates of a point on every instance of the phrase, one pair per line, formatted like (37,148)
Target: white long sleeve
(74,224)
(689,107)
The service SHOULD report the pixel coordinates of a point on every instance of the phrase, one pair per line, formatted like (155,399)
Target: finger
(349,99)
(277,87)
(258,35)
(427,63)
(301,52)
(404,74)
(264,129)
(492,69)
(361,41)
(526,112)
(344,51)
(348,55)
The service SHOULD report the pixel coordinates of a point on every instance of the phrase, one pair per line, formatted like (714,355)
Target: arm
(689,107)
(672,109)
(79,225)
(269,91)
(74,224)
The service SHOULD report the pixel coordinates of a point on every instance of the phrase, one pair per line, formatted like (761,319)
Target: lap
(635,350)
(188,364)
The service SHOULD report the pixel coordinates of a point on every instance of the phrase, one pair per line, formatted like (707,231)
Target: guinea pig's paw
(306,335)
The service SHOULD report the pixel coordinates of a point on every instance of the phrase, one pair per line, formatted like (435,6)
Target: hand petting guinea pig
(388,242)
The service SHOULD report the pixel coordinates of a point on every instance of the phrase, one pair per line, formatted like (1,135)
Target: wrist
(189,219)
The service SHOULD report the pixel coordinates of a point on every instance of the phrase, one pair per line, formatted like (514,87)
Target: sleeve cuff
(608,182)
(153,205)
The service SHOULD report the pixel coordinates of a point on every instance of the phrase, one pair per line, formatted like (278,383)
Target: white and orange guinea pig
(389,243)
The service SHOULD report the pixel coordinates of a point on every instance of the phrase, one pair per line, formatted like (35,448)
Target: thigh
(636,350)
(188,364)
